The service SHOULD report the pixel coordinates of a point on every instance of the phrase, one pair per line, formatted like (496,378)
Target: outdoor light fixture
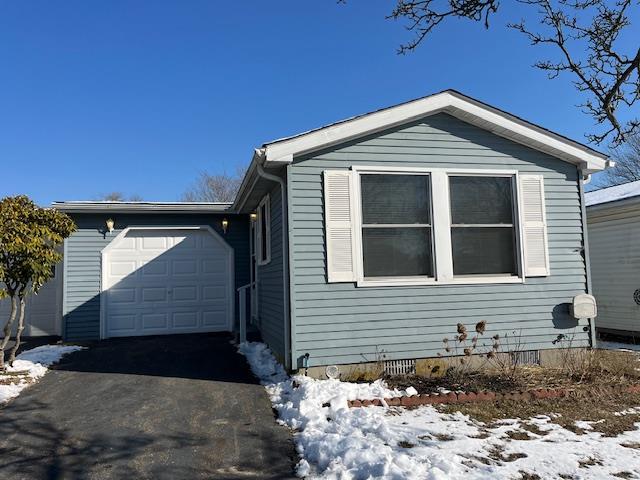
(109,223)
(253,216)
(225,225)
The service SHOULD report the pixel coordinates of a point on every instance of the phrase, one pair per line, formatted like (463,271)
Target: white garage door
(167,281)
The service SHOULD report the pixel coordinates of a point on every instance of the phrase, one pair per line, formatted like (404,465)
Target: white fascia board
(526,135)
(248,182)
(103,207)
(483,117)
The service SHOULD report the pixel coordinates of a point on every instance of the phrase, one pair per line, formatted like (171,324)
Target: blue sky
(141,96)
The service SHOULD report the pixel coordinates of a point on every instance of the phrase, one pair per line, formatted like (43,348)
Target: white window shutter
(534,227)
(338,217)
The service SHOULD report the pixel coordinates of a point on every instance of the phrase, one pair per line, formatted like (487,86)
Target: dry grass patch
(589,462)
(519,435)
(635,445)
(528,476)
(565,412)
(498,454)
(9,378)
(623,475)
(533,428)
(443,437)
(581,370)
(405,444)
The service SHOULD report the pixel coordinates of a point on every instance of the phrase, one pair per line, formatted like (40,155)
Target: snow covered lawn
(335,442)
(29,367)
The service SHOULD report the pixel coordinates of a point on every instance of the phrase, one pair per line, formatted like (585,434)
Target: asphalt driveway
(167,407)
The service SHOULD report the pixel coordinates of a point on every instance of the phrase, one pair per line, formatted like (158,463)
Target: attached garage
(164,268)
(160,280)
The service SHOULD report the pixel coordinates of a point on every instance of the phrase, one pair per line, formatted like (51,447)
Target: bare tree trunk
(14,350)
(7,330)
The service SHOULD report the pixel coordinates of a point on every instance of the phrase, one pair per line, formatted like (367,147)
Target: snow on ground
(336,442)
(29,367)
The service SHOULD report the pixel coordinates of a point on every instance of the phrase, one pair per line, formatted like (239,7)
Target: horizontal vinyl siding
(614,249)
(342,323)
(270,285)
(81,306)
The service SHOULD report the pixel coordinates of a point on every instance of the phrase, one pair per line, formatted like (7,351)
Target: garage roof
(136,207)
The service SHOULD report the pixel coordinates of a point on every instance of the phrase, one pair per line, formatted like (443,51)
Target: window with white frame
(436,226)
(263,231)
(483,226)
(396,225)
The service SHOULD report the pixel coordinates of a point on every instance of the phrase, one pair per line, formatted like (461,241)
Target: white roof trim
(453,103)
(133,207)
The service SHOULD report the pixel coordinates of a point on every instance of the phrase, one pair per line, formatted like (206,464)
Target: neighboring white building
(43,312)
(613,216)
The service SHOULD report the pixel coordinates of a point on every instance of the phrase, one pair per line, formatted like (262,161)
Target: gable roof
(465,108)
(612,194)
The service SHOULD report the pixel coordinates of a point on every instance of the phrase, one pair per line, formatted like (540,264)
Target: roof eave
(453,103)
(120,207)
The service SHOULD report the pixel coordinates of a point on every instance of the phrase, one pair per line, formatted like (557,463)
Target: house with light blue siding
(374,236)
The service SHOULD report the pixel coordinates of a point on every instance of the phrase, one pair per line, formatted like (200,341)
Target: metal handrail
(242,303)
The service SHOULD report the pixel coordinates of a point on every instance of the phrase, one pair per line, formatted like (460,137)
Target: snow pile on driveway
(29,367)
(336,442)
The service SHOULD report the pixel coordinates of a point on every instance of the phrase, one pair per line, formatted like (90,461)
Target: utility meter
(584,306)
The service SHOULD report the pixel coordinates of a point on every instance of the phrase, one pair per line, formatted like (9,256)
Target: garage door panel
(214,292)
(154,321)
(185,320)
(184,267)
(154,268)
(124,323)
(214,318)
(184,294)
(154,294)
(125,295)
(162,282)
(120,269)
(153,242)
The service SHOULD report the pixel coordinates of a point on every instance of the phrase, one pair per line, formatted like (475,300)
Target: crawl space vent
(527,357)
(400,367)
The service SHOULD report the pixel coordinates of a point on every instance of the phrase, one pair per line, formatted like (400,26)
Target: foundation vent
(527,357)
(399,367)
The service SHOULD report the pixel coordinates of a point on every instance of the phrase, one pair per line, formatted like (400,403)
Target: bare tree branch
(627,169)
(585,35)
(215,188)
(119,197)
(609,76)
(424,16)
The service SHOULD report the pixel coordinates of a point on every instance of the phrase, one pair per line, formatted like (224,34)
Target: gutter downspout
(587,258)
(285,259)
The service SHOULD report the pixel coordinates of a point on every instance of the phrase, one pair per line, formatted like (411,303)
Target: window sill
(396,282)
(417,282)
(482,280)
(262,264)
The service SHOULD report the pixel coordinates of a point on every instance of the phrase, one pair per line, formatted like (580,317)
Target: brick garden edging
(467,397)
